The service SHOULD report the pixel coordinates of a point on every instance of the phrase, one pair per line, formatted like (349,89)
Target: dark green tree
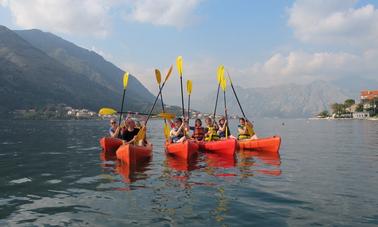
(349,102)
(360,107)
(338,108)
(324,114)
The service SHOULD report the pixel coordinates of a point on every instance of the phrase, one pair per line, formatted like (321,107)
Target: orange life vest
(199,133)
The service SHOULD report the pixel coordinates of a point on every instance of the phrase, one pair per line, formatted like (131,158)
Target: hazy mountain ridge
(85,62)
(279,101)
(29,77)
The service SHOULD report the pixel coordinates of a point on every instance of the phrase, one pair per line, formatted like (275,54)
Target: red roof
(369,94)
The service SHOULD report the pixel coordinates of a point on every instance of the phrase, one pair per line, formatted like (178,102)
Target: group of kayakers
(181,131)
(211,132)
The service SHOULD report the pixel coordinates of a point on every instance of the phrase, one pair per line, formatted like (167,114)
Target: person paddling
(198,130)
(211,130)
(243,131)
(222,128)
(177,134)
(129,132)
(114,130)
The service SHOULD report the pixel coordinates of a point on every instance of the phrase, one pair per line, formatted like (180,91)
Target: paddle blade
(141,134)
(107,111)
(158,76)
(168,116)
(169,73)
(125,79)
(166,131)
(250,129)
(179,65)
(223,83)
(220,73)
(189,86)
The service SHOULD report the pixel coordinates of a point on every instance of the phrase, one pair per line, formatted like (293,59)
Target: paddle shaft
(182,99)
(153,106)
(123,99)
(225,111)
(162,103)
(188,108)
(216,102)
(236,96)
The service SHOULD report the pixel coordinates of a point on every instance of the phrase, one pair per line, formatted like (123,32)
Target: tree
(349,102)
(338,108)
(360,107)
(324,114)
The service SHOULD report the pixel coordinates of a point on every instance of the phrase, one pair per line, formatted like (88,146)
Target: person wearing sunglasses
(114,130)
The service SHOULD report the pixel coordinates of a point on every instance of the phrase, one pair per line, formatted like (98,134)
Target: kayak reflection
(133,172)
(130,172)
(262,162)
(219,160)
(180,164)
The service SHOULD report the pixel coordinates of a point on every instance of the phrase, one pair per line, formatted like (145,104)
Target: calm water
(52,173)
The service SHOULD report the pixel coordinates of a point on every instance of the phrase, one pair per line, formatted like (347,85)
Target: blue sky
(261,43)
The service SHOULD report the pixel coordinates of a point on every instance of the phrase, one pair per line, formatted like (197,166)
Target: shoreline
(364,119)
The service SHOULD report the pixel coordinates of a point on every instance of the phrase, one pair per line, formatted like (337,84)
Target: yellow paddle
(107,111)
(189,86)
(223,85)
(125,81)
(158,80)
(179,69)
(110,111)
(141,134)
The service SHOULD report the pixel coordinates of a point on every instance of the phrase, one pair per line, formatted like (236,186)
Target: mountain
(280,101)
(353,85)
(85,62)
(31,76)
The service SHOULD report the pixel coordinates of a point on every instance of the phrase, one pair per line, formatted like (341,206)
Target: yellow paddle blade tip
(167,115)
(125,79)
(179,65)
(107,111)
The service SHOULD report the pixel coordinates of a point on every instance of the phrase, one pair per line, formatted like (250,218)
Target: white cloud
(3,2)
(303,67)
(87,17)
(334,22)
(177,13)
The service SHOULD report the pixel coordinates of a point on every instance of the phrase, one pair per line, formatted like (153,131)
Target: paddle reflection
(262,162)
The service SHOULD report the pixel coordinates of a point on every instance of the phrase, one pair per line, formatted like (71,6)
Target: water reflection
(129,172)
(244,164)
(133,172)
(179,164)
(262,162)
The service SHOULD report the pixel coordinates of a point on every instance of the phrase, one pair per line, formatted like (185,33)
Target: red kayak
(183,150)
(109,144)
(132,154)
(270,144)
(223,146)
